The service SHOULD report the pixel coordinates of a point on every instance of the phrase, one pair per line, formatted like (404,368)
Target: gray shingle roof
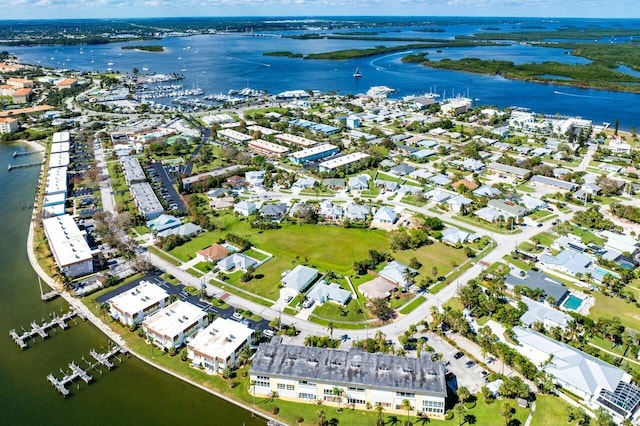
(351,368)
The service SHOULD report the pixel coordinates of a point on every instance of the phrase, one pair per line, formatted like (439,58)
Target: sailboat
(357,73)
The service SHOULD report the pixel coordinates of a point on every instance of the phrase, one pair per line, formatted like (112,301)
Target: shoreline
(104,328)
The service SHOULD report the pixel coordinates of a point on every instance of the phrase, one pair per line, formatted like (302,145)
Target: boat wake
(555,92)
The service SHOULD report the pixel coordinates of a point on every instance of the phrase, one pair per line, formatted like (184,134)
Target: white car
(236,316)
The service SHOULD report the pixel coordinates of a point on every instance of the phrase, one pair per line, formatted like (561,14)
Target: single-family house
(535,280)
(245,208)
(188,229)
(273,212)
(487,191)
(299,278)
(598,383)
(398,273)
(236,261)
(402,169)
(357,211)
(458,202)
(304,183)
(570,262)
(359,183)
(508,208)
(330,211)
(255,177)
(213,253)
(488,214)
(163,222)
(323,292)
(544,314)
(385,215)
(455,236)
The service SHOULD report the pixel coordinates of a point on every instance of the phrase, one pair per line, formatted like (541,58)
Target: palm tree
(379,410)
(253,389)
(330,327)
(463,394)
(407,276)
(406,405)
(338,392)
(321,417)
(434,272)
(507,412)
(459,410)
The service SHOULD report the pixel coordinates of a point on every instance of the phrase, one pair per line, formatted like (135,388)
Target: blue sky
(38,9)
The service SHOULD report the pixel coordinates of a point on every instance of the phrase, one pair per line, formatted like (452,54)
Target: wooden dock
(41,329)
(22,166)
(78,372)
(49,295)
(20,154)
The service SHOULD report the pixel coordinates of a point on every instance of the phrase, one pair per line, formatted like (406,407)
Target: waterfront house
(311,375)
(170,326)
(8,125)
(131,307)
(217,347)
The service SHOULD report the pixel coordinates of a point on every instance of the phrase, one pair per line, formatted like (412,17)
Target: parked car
(469,364)
(458,355)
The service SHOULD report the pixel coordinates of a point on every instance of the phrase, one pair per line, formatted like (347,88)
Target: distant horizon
(313,17)
(157,9)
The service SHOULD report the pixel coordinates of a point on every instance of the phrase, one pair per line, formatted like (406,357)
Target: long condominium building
(146,200)
(308,374)
(68,246)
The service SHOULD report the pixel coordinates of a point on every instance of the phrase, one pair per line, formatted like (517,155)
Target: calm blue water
(217,63)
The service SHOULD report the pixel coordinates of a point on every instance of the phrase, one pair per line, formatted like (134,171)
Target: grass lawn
(517,262)
(472,220)
(413,305)
(550,410)
(256,255)
(609,307)
(587,237)
(332,311)
(545,238)
(540,214)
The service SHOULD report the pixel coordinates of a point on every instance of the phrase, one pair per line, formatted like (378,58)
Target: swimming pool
(573,302)
(230,247)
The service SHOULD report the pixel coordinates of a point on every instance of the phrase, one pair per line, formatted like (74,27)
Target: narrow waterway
(132,393)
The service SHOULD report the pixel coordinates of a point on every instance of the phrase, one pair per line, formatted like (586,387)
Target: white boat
(145,68)
(357,73)
(109,63)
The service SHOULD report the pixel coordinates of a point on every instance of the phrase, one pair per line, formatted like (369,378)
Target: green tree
(406,405)
(507,411)
(379,412)
(330,327)
(338,392)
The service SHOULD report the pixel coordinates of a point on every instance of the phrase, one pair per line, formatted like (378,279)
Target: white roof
(220,339)
(139,298)
(234,135)
(66,240)
(343,161)
(174,319)
(59,147)
(59,159)
(570,365)
(61,137)
(56,181)
(261,144)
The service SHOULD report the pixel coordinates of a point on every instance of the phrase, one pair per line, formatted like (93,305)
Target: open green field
(545,238)
(326,248)
(550,410)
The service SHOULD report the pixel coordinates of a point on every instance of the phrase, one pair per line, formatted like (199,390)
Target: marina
(42,329)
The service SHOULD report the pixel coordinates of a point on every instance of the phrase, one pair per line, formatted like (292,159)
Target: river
(217,63)
(132,393)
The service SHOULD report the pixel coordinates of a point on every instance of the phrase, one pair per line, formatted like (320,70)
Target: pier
(19,154)
(22,166)
(78,372)
(49,295)
(41,329)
